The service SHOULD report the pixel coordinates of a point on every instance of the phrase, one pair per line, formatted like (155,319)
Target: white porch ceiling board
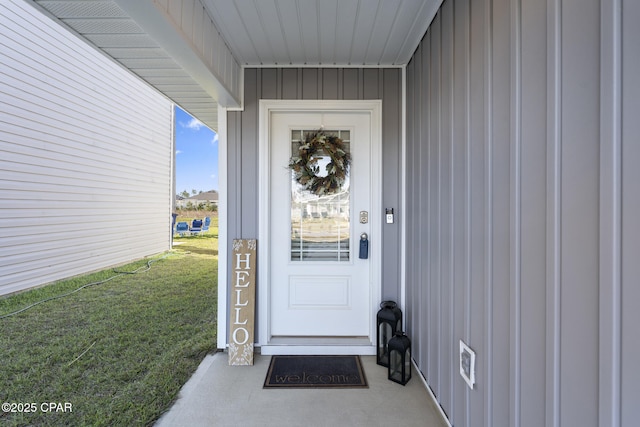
(119,40)
(147,73)
(76,8)
(157,81)
(345,31)
(322,32)
(257,31)
(105,26)
(309,30)
(398,36)
(275,34)
(227,19)
(134,52)
(421,21)
(381,31)
(287,14)
(327,29)
(363,27)
(143,63)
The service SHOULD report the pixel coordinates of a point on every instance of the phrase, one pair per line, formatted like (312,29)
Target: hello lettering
(243,262)
(242,297)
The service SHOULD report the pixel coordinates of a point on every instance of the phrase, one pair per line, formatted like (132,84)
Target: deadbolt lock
(364,217)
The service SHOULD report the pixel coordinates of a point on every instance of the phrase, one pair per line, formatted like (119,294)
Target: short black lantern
(389,321)
(400,358)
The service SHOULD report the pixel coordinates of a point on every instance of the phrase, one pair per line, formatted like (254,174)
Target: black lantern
(389,321)
(400,358)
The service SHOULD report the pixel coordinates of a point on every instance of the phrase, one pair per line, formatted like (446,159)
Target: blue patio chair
(196,226)
(207,223)
(182,228)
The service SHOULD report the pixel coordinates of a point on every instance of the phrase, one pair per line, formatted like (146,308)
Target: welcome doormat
(315,372)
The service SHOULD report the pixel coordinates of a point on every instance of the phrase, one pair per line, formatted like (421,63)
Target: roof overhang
(173,46)
(193,51)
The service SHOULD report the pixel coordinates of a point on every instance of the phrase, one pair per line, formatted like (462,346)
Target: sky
(196,154)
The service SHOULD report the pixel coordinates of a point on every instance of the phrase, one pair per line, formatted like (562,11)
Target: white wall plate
(467,364)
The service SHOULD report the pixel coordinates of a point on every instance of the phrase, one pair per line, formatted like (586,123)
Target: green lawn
(115,353)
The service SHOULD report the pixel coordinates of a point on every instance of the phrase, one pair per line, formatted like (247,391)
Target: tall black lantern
(400,358)
(389,321)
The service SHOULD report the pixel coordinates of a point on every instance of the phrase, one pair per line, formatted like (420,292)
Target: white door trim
(266,108)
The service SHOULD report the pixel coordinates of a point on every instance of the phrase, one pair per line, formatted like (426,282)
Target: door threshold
(319,345)
(294,340)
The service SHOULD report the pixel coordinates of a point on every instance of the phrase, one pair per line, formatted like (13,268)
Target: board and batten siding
(85,156)
(523,216)
(321,84)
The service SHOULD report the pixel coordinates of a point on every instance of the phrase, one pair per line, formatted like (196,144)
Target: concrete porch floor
(222,395)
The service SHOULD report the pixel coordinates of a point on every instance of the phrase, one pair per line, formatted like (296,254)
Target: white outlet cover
(467,364)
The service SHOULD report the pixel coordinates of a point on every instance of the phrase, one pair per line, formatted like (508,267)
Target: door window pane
(320,225)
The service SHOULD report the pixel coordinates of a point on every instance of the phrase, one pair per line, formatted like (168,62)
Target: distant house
(206,197)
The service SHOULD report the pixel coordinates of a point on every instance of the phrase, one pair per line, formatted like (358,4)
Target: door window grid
(320,225)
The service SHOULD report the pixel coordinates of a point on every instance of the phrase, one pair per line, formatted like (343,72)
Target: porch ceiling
(322,32)
(193,51)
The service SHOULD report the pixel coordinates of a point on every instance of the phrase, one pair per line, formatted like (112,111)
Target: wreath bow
(307,171)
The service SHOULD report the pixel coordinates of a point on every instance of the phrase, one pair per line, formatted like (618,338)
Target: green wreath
(306,169)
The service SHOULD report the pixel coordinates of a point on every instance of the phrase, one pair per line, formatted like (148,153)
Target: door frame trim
(266,109)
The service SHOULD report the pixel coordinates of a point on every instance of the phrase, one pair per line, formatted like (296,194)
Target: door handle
(364,246)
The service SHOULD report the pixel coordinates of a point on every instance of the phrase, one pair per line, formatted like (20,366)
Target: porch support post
(222,228)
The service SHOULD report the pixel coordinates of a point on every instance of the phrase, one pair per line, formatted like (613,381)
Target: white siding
(85,156)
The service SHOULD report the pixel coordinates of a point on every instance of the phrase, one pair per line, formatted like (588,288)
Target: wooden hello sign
(243,302)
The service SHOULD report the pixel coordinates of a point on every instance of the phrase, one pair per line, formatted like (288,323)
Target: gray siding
(620,348)
(85,156)
(523,214)
(315,83)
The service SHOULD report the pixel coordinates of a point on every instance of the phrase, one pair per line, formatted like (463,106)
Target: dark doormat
(315,372)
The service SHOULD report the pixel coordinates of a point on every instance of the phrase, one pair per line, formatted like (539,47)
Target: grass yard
(115,353)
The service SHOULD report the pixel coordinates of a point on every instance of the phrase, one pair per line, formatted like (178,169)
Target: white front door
(319,287)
